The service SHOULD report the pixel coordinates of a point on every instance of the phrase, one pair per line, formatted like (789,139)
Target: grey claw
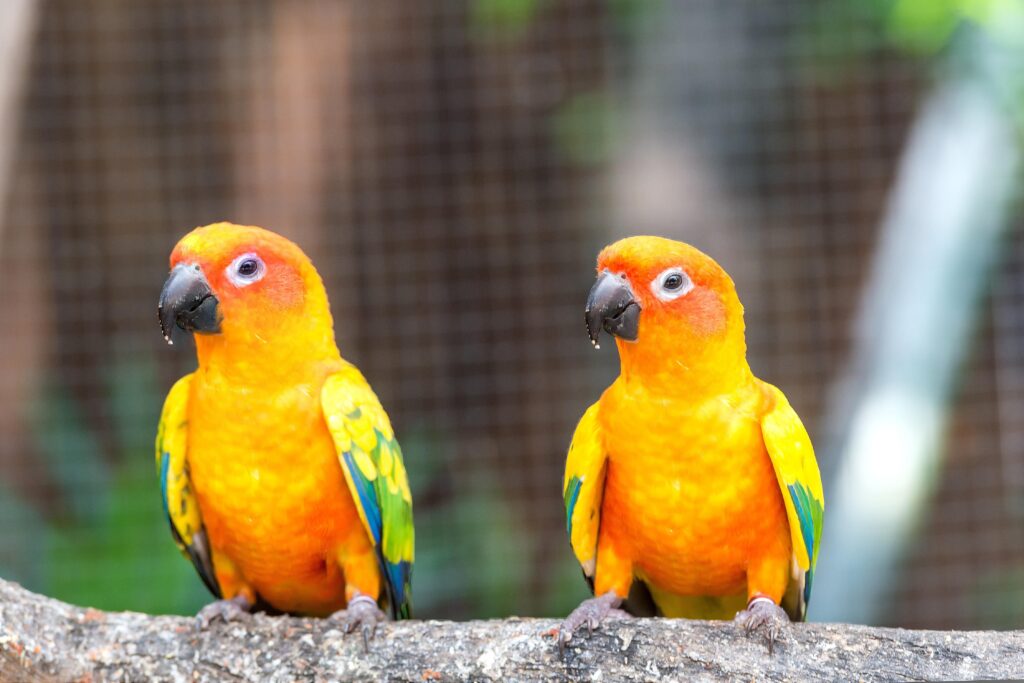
(591,613)
(235,609)
(764,614)
(563,640)
(362,613)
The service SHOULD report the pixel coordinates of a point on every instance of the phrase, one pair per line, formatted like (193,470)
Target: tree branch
(46,640)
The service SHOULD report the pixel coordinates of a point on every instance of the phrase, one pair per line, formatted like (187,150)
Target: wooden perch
(46,640)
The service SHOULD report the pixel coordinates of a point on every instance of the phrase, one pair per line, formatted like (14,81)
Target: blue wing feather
(165,463)
(572,494)
(802,503)
(367,497)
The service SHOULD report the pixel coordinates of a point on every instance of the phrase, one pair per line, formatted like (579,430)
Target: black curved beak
(188,303)
(612,307)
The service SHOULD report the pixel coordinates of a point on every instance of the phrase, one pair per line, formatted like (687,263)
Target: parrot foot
(591,612)
(763,613)
(363,613)
(235,609)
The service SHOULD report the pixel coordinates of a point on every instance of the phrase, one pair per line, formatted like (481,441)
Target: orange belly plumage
(275,503)
(694,504)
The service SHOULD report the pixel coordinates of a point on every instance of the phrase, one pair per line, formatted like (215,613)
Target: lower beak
(612,307)
(188,303)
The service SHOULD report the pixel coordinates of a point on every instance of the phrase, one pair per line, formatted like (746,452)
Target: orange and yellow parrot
(691,488)
(280,474)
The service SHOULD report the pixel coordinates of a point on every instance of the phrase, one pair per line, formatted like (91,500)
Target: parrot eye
(671,284)
(245,270)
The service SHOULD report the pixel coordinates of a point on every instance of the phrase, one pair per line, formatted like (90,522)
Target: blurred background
(453,168)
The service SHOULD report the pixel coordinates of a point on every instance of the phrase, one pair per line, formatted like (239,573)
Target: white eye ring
(671,284)
(245,270)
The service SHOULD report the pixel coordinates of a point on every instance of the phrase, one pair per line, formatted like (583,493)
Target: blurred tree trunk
(292,145)
(17,24)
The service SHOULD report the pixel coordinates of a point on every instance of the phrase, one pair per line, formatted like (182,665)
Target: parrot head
(240,283)
(663,300)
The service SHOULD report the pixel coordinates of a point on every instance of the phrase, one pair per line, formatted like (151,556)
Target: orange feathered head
(240,282)
(663,300)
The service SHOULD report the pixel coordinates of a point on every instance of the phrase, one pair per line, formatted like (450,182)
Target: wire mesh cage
(453,168)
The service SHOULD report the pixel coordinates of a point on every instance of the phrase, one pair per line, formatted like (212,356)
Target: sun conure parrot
(280,473)
(691,488)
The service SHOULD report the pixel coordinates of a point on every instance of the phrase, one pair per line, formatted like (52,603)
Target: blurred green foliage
(927,26)
(998,599)
(462,545)
(841,33)
(109,545)
(980,39)
(508,19)
(124,558)
(72,455)
(21,559)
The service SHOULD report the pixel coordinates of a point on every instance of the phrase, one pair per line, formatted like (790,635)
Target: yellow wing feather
(583,489)
(796,468)
(179,499)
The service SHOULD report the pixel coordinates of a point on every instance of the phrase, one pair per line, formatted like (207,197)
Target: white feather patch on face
(671,283)
(245,270)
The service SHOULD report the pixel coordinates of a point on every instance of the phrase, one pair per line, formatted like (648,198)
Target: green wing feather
(179,500)
(796,468)
(372,462)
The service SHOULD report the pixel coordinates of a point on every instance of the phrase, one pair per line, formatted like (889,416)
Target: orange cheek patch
(283,288)
(706,312)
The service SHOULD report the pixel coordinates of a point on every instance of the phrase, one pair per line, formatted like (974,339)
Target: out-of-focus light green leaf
(1002,19)
(923,26)
(502,18)
(585,128)
(842,31)
(927,26)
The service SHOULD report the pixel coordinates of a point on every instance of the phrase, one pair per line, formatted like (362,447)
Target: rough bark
(46,640)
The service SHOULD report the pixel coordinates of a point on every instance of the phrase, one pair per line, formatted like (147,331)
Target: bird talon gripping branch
(691,486)
(361,613)
(591,613)
(279,471)
(235,609)
(764,615)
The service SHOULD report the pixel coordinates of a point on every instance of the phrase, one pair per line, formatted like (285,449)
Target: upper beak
(612,307)
(187,302)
